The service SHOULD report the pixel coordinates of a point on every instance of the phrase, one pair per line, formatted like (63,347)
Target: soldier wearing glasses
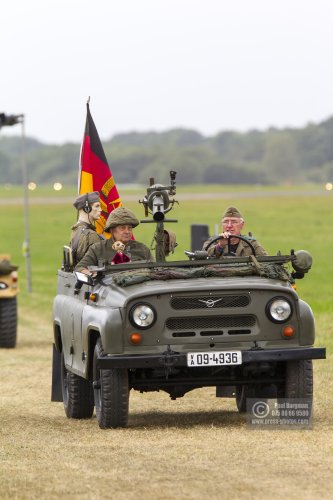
(232,225)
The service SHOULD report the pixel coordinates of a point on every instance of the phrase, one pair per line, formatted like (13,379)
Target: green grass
(9,191)
(45,455)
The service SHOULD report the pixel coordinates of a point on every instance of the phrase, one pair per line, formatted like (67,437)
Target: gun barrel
(158,208)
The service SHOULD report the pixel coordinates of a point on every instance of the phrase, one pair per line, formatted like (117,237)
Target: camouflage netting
(267,270)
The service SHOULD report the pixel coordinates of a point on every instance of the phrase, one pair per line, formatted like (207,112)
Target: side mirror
(81,279)
(84,278)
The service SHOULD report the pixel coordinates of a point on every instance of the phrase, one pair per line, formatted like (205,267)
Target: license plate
(214,358)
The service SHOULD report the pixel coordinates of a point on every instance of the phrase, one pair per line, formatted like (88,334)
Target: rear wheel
(111,393)
(8,322)
(77,394)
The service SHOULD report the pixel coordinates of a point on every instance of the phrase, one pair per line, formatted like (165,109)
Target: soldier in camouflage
(232,224)
(84,231)
(120,224)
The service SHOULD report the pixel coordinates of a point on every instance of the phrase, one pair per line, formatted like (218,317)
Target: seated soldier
(120,224)
(84,231)
(232,224)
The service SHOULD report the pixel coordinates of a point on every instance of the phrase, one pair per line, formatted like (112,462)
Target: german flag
(95,173)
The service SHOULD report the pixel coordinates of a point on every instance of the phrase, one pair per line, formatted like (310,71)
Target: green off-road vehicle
(236,324)
(8,302)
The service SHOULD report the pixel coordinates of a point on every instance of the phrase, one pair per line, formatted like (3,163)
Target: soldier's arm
(260,251)
(218,248)
(90,259)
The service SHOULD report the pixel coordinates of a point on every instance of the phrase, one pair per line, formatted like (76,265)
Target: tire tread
(8,322)
(114,396)
(77,395)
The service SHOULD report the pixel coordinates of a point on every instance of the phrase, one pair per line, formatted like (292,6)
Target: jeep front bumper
(171,358)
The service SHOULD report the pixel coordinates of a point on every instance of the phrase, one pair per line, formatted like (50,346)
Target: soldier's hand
(224,239)
(92,274)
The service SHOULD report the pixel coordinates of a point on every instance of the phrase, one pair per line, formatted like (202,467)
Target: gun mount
(157,202)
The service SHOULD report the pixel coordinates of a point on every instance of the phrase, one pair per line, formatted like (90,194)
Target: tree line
(272,156)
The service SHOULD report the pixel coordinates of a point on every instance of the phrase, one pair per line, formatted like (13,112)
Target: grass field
(195,447)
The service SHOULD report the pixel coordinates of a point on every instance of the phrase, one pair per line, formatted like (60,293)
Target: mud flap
(56,394)
(225,391)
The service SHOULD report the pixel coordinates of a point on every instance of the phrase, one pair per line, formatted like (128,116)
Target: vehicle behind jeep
(8,302)
(236,324)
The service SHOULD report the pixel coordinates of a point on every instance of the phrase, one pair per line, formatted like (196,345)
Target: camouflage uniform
(83,236)
(103,253)
(242,249)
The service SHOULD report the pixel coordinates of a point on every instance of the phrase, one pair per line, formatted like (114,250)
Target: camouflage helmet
(232,212)
(121,216)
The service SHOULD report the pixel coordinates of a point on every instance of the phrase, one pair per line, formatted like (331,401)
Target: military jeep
(8,302)
(236,324)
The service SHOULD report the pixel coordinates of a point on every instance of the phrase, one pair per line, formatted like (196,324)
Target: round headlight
(279,310)
(142,316)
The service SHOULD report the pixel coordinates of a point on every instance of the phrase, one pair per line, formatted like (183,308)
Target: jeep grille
(217,301)
(197,323)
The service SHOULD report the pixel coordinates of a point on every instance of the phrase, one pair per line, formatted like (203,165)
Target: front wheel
(77,394)
(111,393)
(299,379)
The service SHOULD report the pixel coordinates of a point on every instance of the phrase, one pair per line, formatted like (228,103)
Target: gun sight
(157,201)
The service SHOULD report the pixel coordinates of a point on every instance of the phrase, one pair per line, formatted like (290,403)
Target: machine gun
(157,203)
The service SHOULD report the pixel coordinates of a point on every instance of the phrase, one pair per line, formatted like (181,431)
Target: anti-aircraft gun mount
(157,202)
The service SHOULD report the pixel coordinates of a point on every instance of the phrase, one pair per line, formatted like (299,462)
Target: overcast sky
(208,65)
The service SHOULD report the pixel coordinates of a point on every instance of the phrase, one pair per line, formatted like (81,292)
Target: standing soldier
(84,231)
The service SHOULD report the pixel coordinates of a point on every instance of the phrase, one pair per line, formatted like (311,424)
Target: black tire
(242,393)
(111,393)
(257,391)
(299,379)
(8,322)
(77,394)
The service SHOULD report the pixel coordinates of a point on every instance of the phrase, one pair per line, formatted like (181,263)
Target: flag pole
(26,243)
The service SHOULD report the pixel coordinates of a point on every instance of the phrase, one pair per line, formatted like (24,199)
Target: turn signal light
(136,338)
(93,297)
(288,331)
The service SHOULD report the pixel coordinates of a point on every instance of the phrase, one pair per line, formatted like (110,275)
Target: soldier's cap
(232,212)
(121,216)
(6,267)
(81,200)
